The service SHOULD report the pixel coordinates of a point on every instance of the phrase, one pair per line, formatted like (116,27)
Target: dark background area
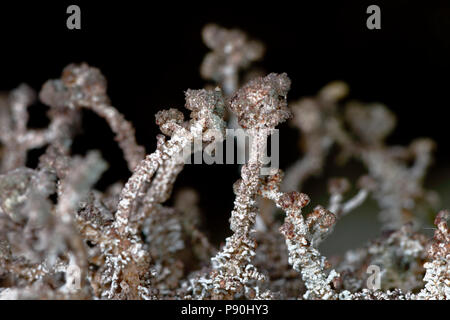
(151,53)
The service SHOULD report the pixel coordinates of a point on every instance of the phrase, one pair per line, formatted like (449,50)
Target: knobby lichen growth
(60,238)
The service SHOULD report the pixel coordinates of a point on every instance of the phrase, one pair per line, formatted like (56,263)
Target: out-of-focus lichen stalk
(338,186)
(231,52)
(398,187)
(186,201)
(15,137)
(82,86)
(83,174)
(317,120)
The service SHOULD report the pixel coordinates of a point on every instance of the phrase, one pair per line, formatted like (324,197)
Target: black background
(151,52)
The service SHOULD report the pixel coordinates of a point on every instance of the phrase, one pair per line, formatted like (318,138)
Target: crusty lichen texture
(60,238)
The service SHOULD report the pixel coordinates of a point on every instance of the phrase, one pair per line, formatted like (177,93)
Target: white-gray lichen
(62,239)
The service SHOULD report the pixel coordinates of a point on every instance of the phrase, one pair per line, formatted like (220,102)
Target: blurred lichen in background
(60,238)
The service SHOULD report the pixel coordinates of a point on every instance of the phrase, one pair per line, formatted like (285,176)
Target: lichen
(61,238)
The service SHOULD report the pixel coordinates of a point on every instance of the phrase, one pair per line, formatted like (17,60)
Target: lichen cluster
(60,238)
